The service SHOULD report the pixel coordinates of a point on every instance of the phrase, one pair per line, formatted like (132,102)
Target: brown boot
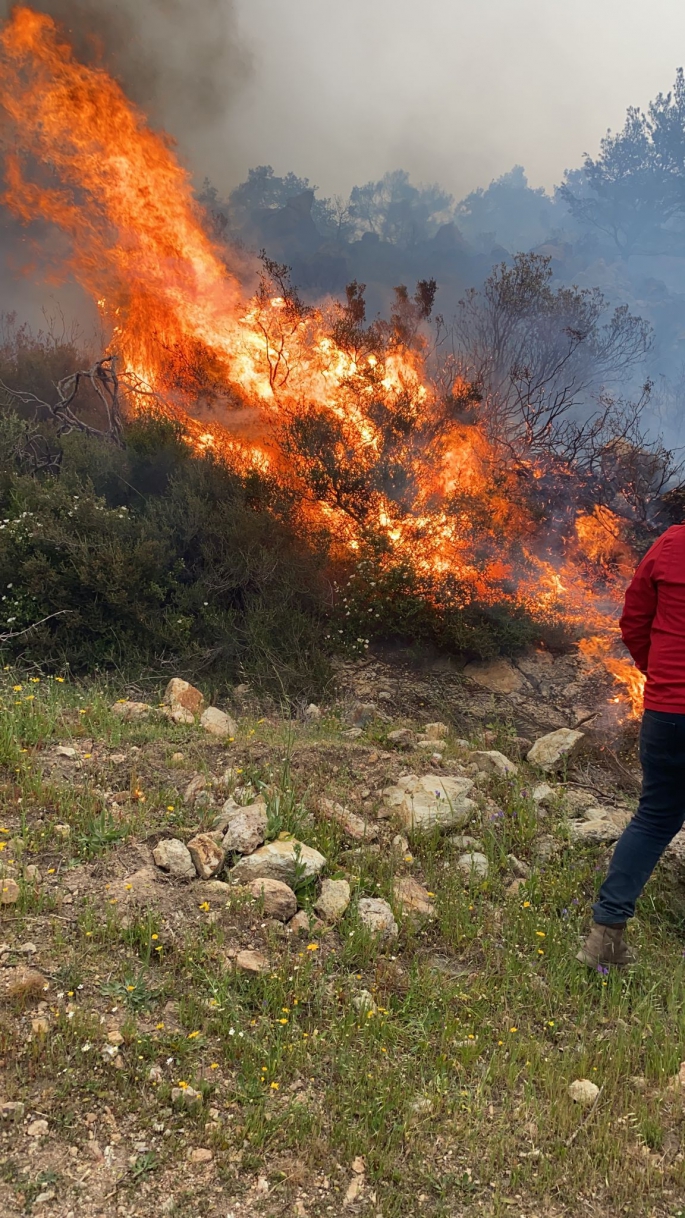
(604,946)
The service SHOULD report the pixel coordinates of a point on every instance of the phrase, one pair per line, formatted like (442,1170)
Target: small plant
(134,991)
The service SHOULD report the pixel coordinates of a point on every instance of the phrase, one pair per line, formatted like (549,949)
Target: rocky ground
(315,964)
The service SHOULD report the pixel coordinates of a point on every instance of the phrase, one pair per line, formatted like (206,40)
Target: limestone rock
(252,962)
(492,762)
(436,731)
(412,897)
(498,675)
(431,801)
(9,891)
(200,1155)
(551,751)
(140,888)
(364,1001)
(578,800)
(401,738)
(287,860)
(186,1097)
(131,710)
(462,841)
(313,713)
(353,826)
(515,887)
(363,713)
(302,924)
(594,831)
(65,750)
(473,864)
(184,696)
(279,900)
(583,1091)
(519,868)
(12,1110)
(333,900)
(377,916)
(207,856)
(195,787)
(543,794)
(218,723)
(178,714)
(246,829)
(217,892)
(174,856)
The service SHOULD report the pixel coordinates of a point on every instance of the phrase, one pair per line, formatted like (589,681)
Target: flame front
(79,155)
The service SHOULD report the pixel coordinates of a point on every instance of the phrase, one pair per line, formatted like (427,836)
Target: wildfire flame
(81,156)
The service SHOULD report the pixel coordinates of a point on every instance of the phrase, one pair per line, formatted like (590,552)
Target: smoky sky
(181,60)
(453,90)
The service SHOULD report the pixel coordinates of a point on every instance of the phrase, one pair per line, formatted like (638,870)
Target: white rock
(37,1129)
(594,831)
(207,855)
(412,897)
(279,900)
(252,962)
(333,900)
(246,829)
(9,891)
(131,710)
(288,861)
(402,737)
(377,916)
(430,743)
(313,713)
(174,856)
(519,868)
(436,731)
(364,1001)
(543,794)
(473,864)
(353,826)
(434,800)
(498,675)
(218,723)
(182,695)
(65,750)
(493,762)
(551,751)
(584,1092)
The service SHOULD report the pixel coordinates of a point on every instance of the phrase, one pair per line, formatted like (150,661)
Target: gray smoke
(180,60)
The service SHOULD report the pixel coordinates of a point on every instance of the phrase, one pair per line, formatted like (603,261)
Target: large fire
(80,156)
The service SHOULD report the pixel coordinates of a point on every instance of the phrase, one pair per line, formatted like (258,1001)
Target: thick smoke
(180,60)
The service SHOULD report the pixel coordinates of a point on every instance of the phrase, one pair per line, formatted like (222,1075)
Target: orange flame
(79,155)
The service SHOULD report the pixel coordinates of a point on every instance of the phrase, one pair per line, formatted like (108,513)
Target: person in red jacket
(653,630)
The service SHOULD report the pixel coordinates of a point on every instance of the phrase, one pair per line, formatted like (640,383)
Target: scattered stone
(279,900)
(432,801)
(12,1110)
(44,1197)
(313,713)
(473,864)
(363,713)
(186,1097)
(543,794)
(115,1037)
(401,738)
(140,888)
(229,811)
(181,695)
(522,870)
(400,846)
(594,812)
(594,832)
(546,847)
(429,743)
(207,856)
(33,874)
(353,733)
(412,897)
(200,1155)
(301,923)
(498,675)
(174,856)
(64,750)
(550,752)
(252,962)
(436,731)
(246,829)
(178,714)
(333,900)
(217,892)
(377,916)
(37,1129)
(288,860)
(218,723)
(155,1074)
(353,826)
(577,799)
(131,710)
(464,842)
(9,891)
(62,830)
(515,887)
(40,1027)
(364,1001)
(493,762)
(583,1092)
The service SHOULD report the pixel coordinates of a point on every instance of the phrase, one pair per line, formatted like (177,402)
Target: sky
(455,91)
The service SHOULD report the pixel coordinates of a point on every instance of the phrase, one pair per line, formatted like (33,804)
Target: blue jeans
(660,815)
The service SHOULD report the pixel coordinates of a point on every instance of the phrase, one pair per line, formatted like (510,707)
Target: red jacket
(653,621)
